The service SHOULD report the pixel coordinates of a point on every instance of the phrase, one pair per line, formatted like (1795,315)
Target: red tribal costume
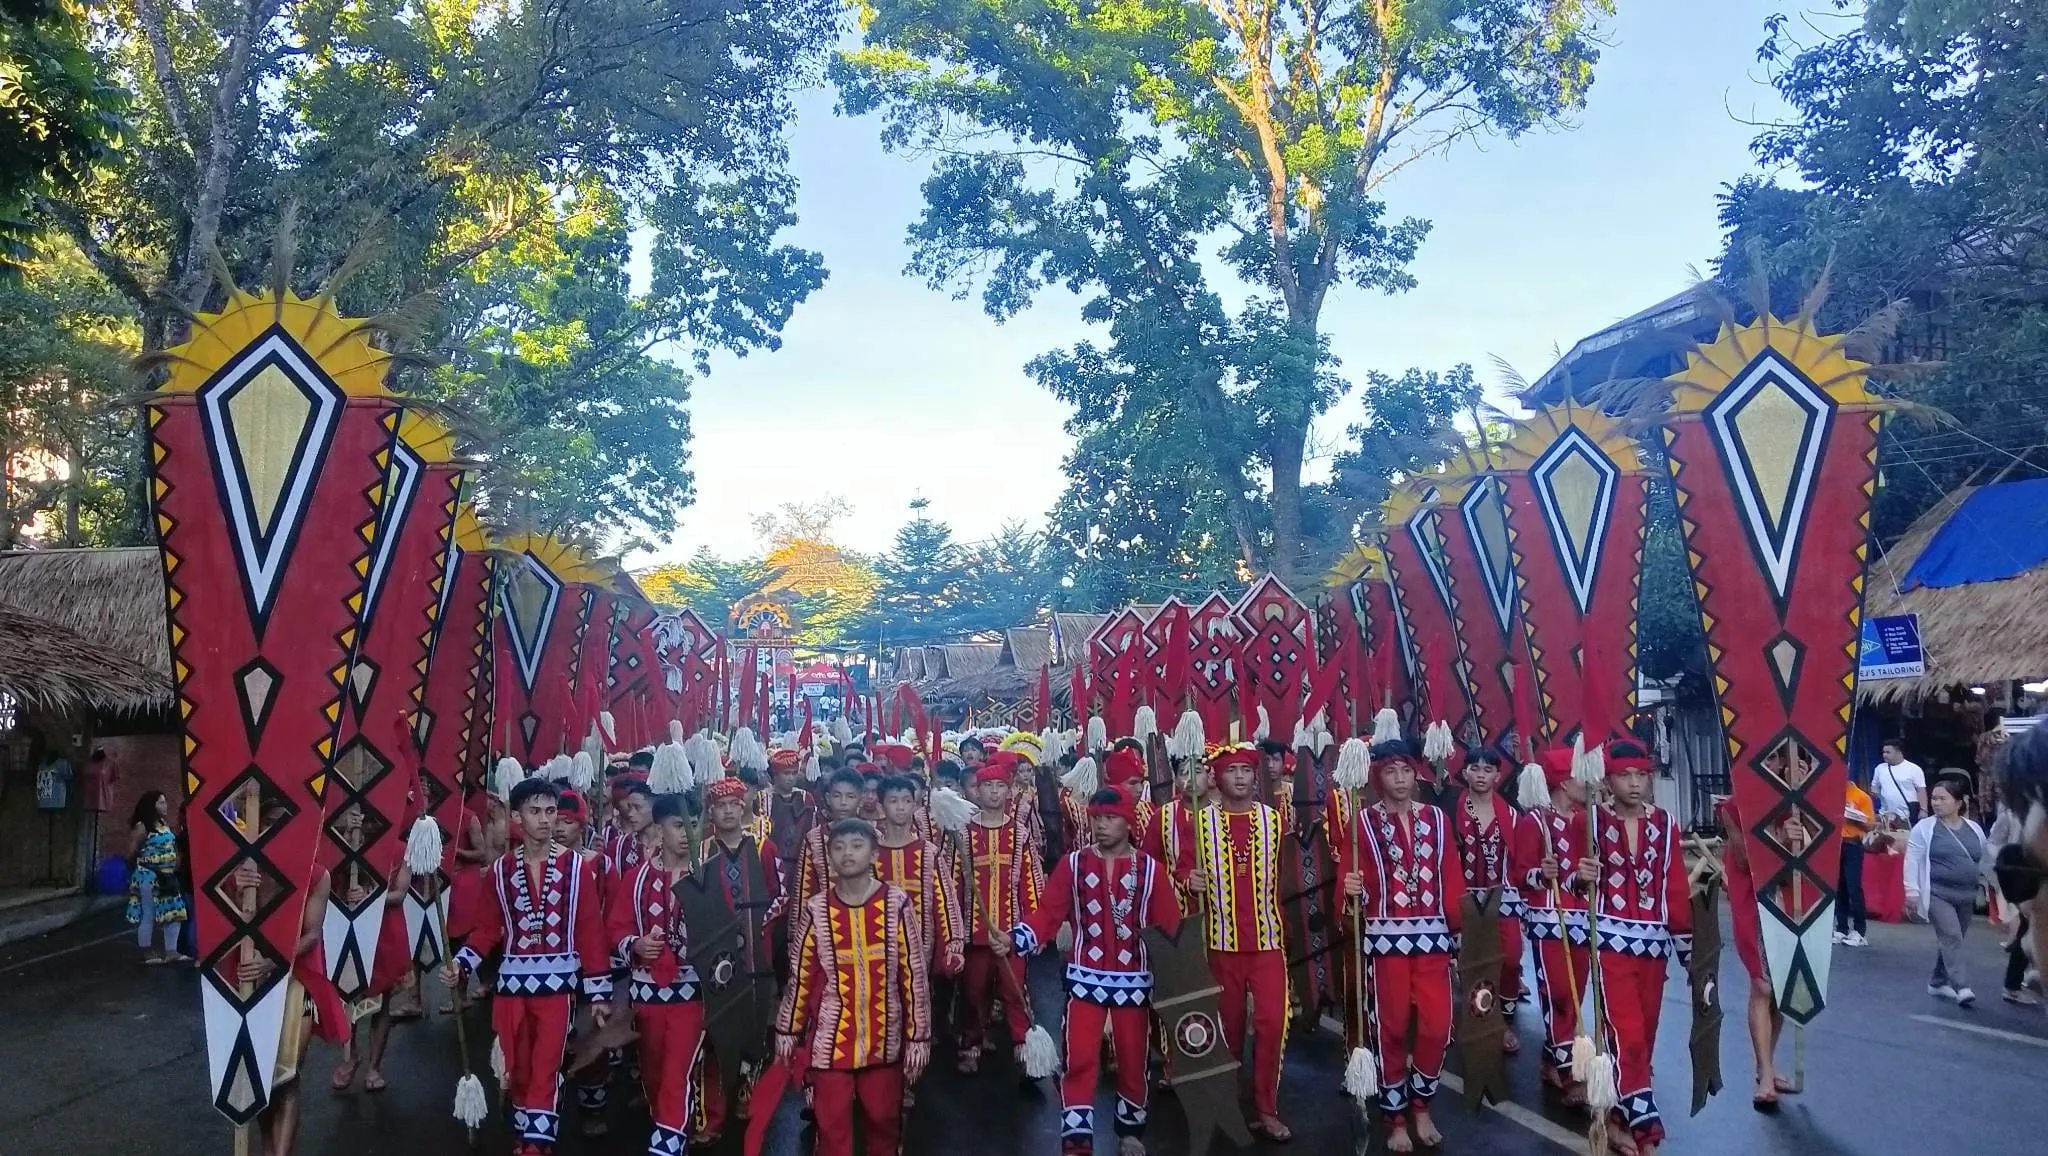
(1004,883)
(666,1005)
(1554,916)
(1240,853)
(546,916)
(1411,908)
(1109,982)
(858,994)
(1485,856)
(920,869)
(729,864)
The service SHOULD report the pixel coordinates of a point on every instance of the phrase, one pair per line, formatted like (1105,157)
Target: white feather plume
(471,1107)
(582,772)
(950,810)
(1187,739)
(423,847)
(1144,724)
(506,776)
(593,745)
(1264,729)
(1084,780)
(1041,1055)
(1532,790)
(1589,766)
(1098,734)
(610,726)
(670,774)
(556,770)
(1362,1075)
(1386,726)
(1304,734)
(1354,765)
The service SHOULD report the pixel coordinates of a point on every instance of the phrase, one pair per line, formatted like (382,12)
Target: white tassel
(1144,724)
(1362,1075)
(423,847)
(1319,737)
(498,1068)
(1098,734)
(593,745)
(1532,790)
(556,770)
(1187,740)
(1588,766)
(842,731)
(670,774)
(705,765)
(610,725)
(582,772)
(1041,1056)
(507,776)
(675,732)
(1084,780)
(747,751)
(1582,1057)
(1436,742)
(1354,765)
(1264,730)
(950,810)
(1304,734)
(1602,1096)
(470,1105)
(1386,726)
(811,769)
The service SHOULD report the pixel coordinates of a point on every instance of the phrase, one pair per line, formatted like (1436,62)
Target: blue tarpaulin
(1999,532)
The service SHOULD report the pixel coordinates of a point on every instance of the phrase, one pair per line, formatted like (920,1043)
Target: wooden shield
(1202,1070)
(1308,877)
(1702,975)
(1480,1022)
(726,951)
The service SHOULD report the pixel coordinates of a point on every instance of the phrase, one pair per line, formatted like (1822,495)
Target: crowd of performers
(884,891)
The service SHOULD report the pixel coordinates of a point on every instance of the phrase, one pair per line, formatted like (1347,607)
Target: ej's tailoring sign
(1891,649)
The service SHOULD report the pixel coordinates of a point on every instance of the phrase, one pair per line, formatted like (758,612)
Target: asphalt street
(100,1053)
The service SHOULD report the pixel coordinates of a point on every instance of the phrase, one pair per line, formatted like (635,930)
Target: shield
(1480,1021)
(1706,993)
(725,950)
(1308,877)
(1202,1069)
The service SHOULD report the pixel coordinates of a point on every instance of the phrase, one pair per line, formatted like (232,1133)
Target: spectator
(1858,818)
(1901,786)
(2023,775)
(2006,831)
(1947,857)
(156,899)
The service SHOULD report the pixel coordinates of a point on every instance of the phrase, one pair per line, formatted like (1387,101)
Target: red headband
(721,790)
(1124,806)
(991,772)
(1224,758)
(1124,764)
(570,806)
(1620,764)
(1557,766)
(782,760)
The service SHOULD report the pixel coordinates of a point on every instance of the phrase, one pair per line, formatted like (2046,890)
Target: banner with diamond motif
(1772,441)
(371,791)
(1120,632)
(1419,576)
(269,448)
(1277,651)
(636,692)
(1482,594)
(454,719)
(543,609)
(688,651)
(1213,641)
(1386,645)
(1575,504)
(593,668)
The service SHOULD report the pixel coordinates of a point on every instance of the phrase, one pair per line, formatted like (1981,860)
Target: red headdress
(570,806)
(999,768)
(1557,766)
(1123,765)
(1124,805)
(722,790)
(896,756)
(1223,756)
(1398,753)
(783,759)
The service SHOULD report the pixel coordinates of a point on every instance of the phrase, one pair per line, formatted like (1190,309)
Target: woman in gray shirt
(1946,857)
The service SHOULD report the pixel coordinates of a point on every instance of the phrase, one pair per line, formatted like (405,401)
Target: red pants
(1405,987)
(1262,976)
(671,1036)
(1560,999)
(984,986)
(1631,993)
(533,1031)
(1127,1033)
(711,1094)
(878,1094)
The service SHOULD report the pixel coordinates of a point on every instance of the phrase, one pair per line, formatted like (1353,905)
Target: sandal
(344,1075)
(374,1082)
(155,961)
(1270,1129)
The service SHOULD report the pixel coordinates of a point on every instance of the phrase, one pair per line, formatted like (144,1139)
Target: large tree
(1206,173)
(58,115)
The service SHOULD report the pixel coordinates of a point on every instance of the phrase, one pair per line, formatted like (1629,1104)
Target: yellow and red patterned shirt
(858,984)
(1240,851)
(920,869)
(1007,878)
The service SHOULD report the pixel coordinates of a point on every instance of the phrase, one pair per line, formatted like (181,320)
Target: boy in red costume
(1484,828)
(1235,882)
(541,904)
(842,801)
(725,856)
(1004,882)
(1396,861)
(1641,906)
(1112,892)
(647,929)
(907,860)
(859,994)
(1554,915)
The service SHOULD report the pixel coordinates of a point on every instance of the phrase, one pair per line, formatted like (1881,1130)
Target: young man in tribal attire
(907,860)
(541,906)
(1111,892)
(1548,842)
(1641,907)
(1235,884)
(858,1001)
(725,854)
(1397,862)
(593,1083)
(842,801)
(1484,828)
(1123,768)
(647,929)
(1003,884)
(627,842)
(1024,753)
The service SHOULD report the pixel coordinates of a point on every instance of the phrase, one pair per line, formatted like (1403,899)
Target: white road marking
(1980,1029)
(1534,1121)
(32,960)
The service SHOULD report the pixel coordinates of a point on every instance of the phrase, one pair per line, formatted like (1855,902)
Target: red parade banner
(1418,575)
(1277,649)
(543,608)
(1481,595)
(1213,638)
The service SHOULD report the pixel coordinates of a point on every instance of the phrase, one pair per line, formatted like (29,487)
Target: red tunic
(640,904)
(1643,902)
(1413,888)
(858,983)
(1486,856)
(813,873)
(1007,877)
(1241,853)
(1110,904)
(921,871)
(1547,914)
(623,853)
(551,933)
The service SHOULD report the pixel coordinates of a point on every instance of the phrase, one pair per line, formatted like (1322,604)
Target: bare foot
(1784,1086)
(1397,1138)
(1574,1094)
(1425,1128)
(1620,1139)
(1130,1146)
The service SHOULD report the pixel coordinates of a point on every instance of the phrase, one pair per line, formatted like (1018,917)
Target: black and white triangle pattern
(1109,988)
(536,1125)
(1424,936)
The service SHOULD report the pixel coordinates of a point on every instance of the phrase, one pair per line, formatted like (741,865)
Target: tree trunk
(1289,445)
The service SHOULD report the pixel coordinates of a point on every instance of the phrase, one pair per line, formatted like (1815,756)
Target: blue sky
(885,390)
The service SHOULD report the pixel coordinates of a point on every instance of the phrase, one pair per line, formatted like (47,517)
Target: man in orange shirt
(1858,817)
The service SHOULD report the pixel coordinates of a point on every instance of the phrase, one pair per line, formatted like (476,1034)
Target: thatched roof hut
(1972,632)
(114,598)
(1030,647)
(52,668)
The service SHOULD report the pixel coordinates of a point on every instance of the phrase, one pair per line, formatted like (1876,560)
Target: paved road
(98,1052)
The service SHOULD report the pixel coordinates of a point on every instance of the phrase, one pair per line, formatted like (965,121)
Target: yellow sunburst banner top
(1364,561)
(1533,437)
(426,437)
(341,345)
(563,560)
(469,532)
(1826,363)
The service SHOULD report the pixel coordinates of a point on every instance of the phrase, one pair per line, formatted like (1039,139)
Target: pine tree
(924,581)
